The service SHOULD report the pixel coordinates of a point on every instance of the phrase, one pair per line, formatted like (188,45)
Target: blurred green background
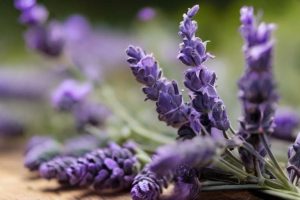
(218,22)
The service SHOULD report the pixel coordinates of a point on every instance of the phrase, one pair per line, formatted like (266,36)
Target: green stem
(232,187)
(120,111)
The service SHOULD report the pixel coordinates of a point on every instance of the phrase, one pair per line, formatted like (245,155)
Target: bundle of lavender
(208,154)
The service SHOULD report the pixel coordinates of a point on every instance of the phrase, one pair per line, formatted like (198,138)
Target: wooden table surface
(16,183)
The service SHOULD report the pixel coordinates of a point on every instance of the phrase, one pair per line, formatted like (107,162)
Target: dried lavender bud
(78,146)
(40,150)
(89,113)
(294,161)
(199,79)
(24,4)
(198,152)
(48,40)
(146,14)
(69,93)
(148,186)
(169,102)
(111,168)
(57,169)
(34,15)
(286,124)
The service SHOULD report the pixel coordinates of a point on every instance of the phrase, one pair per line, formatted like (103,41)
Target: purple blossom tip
(193,11)
(146,14)
(69,93)
(24,4)
(35,15)
(192,49)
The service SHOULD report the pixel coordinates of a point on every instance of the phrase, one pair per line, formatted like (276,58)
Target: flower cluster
(257,87)
(46,38)
(169,102)
(113,167)
(148,186)
(56,168)
(71,96)
(198,79)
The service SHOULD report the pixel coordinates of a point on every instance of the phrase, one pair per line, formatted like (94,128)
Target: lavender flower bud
(69,93)
(57,169)
(169,102)
(294,161)
(198,152)
(146,14)
(40,152)
(285,125)
(24,4)
(110,168)
(34,15)
(48,40)
(148,186)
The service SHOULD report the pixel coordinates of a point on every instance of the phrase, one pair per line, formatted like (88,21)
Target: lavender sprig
(169,102)
(199,80)
(257,86)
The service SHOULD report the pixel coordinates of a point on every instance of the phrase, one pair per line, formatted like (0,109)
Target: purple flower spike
(24,4)
(286,123)
(69,93)
(199,79)
(48,40)
(169,102)
(148,186)
(113,168)
(293,167)
(56,169)
(257,86)
(146,14)
(34,15)
(40,152)
(198,152)
(192,49)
